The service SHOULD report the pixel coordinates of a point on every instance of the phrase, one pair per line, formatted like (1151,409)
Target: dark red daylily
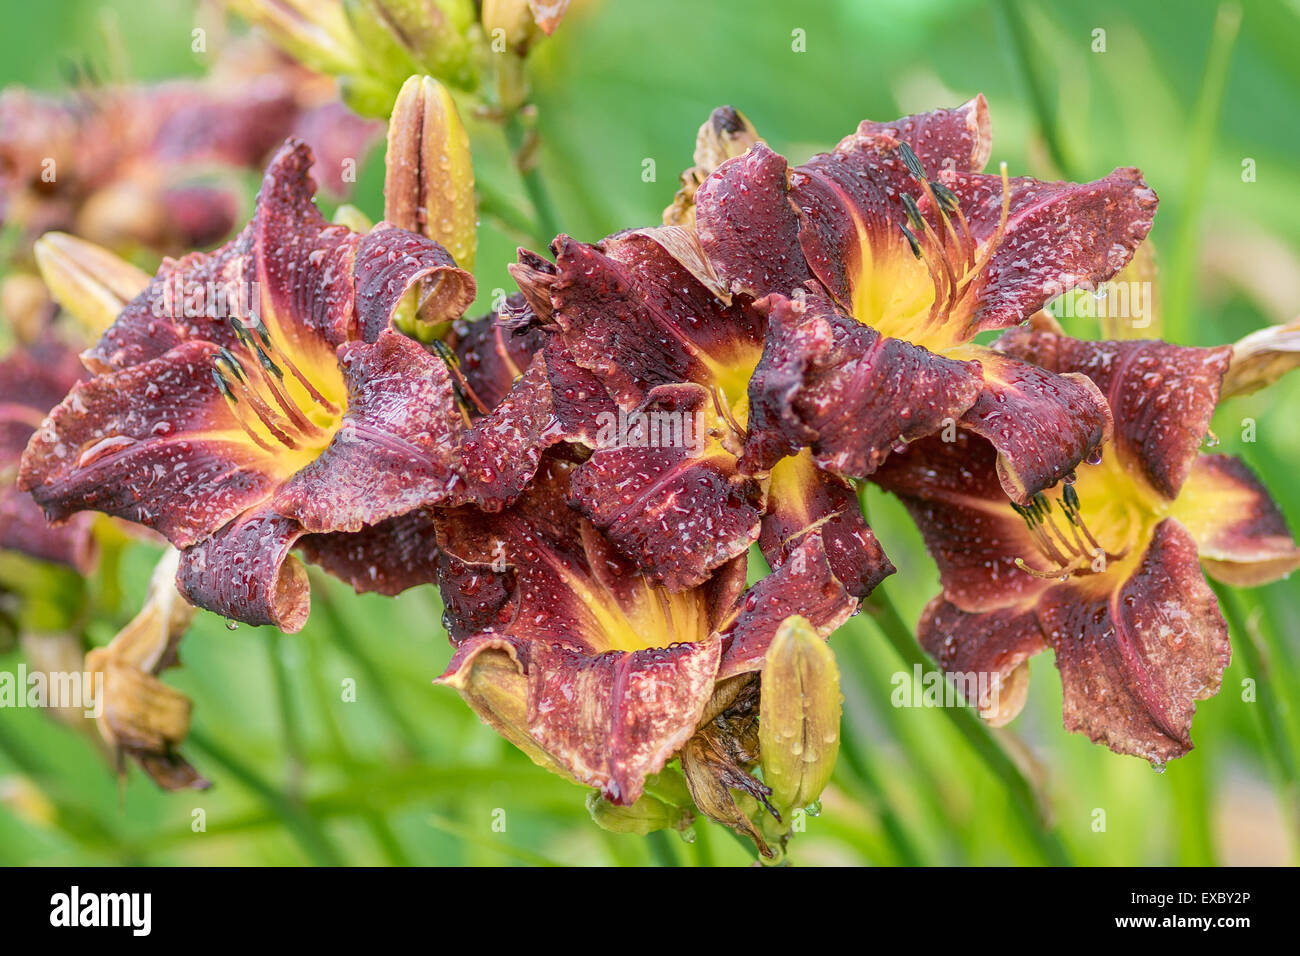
(33,379)
(1104,569)
(255,398)
(125,166)
(878,263)
(643,313)
(593,669)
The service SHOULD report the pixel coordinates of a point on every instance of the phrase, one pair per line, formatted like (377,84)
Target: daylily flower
(643,312)
(132,166)
(254,398)
(876,266)
(33,379)
(593,669)
(1106,568)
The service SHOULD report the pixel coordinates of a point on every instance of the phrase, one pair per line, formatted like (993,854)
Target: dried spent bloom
(1106,568)
(254,398)
(594,670)
(878,263)
(140,716)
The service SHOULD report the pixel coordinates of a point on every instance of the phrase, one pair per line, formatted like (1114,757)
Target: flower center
(919,289)
(1087,527)
(730,391)
(282,409)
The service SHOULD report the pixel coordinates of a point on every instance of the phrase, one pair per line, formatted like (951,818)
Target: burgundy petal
(390,262)
(1241,536)
(387,558)
(395,447)
(803,501)
(803,585)
(1057,236)
(1042,424)
(1162,396)
(1134,661)
(679,511)
(748,227)
(833,384)
(637,316)
(244,572)
(155,443)
(958,139)
(952,492)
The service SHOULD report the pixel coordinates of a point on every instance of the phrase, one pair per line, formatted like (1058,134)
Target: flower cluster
(586,471)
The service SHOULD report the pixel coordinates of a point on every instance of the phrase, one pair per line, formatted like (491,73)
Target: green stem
(338,631)
(1183,269)
(1026,62)
(302,826)
(517,136)
(1033,813)
(493,204)
(661,850)
(288,716)
(856,758)
(1272,721)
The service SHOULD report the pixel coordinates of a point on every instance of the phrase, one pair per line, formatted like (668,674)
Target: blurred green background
(1185,90)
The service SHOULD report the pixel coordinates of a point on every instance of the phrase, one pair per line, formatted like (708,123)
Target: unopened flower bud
(91,283)
(429,187)
(799,715)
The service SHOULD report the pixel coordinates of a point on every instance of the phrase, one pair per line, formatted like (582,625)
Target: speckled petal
(387,558)
(1042,424)
(1161,396)
(803,501)
(833,384)
(245,572)
(1058,235)
(1134,660)
(395,449)
(748,225)
(156,444)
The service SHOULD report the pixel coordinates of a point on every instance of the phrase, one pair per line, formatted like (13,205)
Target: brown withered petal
(725,135)
(1261,358)
(141,716)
